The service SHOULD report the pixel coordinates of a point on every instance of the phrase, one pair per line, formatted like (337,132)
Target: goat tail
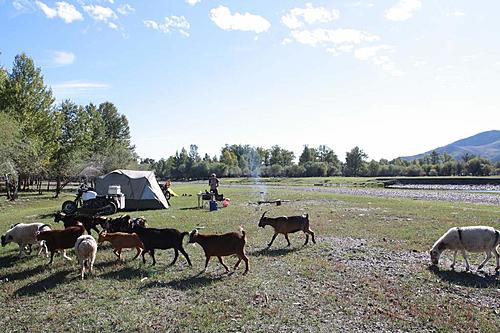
(40,228)
(243,233)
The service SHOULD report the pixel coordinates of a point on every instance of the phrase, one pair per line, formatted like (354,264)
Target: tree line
(248,161)
(42,140)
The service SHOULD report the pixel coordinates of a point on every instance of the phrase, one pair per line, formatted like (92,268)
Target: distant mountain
(485,144)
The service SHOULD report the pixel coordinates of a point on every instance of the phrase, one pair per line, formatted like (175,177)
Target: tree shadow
(466,279)
(191,282)
(24,274)
(9,261)
(125,273)
(274,252)
(43,285)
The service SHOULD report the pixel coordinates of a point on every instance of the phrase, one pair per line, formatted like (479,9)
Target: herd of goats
(126,232)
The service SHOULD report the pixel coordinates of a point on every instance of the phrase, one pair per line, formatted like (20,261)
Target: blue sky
(392,77)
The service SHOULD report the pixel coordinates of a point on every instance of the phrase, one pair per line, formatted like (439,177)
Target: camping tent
(140,188)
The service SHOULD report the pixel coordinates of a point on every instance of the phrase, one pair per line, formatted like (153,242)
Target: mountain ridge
(485,144)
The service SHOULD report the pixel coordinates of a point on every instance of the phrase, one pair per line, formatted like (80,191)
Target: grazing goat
(163,239)
(88,221)
(24,234)
(60,239)
(222,245)
(287,225)
(121,240)
(123,223)
(472,239)
(85,249)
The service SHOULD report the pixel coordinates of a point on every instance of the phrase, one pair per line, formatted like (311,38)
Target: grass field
(369,271)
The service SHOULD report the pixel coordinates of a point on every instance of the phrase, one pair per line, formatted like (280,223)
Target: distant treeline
(248,161)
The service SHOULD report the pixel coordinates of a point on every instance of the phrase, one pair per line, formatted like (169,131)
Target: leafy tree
(74,142)
(308,155)
(116,125)
(25,98)
(280,156)
(354,162)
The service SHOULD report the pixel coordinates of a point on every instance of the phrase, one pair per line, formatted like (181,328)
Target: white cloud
(365,53)
(296,17)
(113,26)
(192,2)
(63,58)
(125,9)
(333,36)
(67,12)
(74,88)
(100,13)
(383,61)
(223,18)
(456,13)
(170,23)
(403,10)
(23,5)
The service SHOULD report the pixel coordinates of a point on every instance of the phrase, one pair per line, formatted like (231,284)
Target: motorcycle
(98,205)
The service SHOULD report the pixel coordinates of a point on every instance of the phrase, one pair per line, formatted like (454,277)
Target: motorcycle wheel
(109,209)
(69,207)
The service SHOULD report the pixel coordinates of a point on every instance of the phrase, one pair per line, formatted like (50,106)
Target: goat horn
(263,215)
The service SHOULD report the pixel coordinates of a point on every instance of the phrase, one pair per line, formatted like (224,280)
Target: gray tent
(140,188)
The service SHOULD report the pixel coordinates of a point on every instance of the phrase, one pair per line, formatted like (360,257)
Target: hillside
(485,144)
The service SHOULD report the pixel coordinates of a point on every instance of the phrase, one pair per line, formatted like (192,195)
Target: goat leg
(144,255)
(152,253)
(222,263)
(312,235)
(139,250)
(454,260)
(307,239)
(51,257)
(498,259)
(206,263)
(464,254)
(237,263)
(176,255)
(488,256)
(184,253)
(245,258)
(286,237)
(272,240)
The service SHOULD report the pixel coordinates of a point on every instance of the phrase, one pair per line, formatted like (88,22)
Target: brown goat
(60,239)
(121,240)
(222,245)
(287,225)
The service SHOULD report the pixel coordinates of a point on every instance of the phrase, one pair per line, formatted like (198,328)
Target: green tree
(308,155)
(74,143)
(25,98)
(354,162)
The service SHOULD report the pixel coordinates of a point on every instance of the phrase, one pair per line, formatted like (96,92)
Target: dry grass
(369,271)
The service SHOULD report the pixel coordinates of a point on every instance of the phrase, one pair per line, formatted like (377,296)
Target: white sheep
(86,249)
(472,239)
(24,234)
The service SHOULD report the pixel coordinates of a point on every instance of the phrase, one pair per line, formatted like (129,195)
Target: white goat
(24,234)
(473,239)
(86,249)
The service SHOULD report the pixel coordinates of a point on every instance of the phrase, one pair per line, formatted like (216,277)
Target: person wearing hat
(213,182)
